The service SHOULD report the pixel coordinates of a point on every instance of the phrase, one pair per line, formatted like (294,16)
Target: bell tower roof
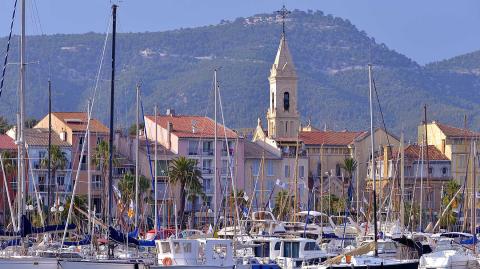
(283,65)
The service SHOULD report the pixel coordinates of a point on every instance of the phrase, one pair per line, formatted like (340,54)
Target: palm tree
(349,165)
(450,189)
(126,186)
(184,172)
(80,202)
(283,204)
(58,161)
(100,159)
(4,125)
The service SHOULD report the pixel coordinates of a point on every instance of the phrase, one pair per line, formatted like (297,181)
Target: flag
(130,210)
(270,206)
(210,229)
(245,196)
(117,192)
(280,184)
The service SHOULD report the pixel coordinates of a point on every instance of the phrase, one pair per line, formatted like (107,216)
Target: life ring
(167,261)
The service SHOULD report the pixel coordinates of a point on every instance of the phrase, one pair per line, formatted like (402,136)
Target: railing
(207,152)
(207,171)
(97,185)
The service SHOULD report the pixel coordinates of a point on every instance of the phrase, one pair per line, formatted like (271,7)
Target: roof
(77,121)
(39,137)
(161,150)
(331,138)
(7,143)
(456,132)
(415,152)
(283,65)
(255,151)
(186,126)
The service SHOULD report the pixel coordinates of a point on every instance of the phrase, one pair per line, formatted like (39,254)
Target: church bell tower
(282,116)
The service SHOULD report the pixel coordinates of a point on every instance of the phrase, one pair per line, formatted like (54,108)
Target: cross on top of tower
(283,13)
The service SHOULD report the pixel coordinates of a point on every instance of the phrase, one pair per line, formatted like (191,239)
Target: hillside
(175,69)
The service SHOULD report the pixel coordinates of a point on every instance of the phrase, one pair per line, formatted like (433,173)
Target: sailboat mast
(402,182)
(89,169)
(112,111)
(137,139)
(215,191)
(49,177)
(156,174)
(474,196)
(372,141)
(430,190)
(20,124)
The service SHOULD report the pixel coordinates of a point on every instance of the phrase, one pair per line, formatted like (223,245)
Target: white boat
(208,253)
(298,252)
(448,254)
(264,223)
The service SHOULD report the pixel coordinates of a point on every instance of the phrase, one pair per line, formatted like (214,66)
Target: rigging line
(89,115)
(381,111)
(5,62)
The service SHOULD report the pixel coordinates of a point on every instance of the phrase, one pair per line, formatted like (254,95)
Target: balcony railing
(207,152)
(207,170)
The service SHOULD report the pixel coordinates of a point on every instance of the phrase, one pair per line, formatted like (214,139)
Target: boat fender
(167,261)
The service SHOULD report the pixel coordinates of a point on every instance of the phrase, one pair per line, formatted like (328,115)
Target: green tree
(30,123)
(349,166)
(100,159)
(4,125)
(58,161)
(283,204)
(184,172)
(126,186)
(132,130)
(449,218)
(80,202)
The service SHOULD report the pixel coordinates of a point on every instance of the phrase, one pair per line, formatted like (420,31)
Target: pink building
(193,137)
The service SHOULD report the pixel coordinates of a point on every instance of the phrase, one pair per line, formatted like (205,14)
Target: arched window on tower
(286,101)
(273,101)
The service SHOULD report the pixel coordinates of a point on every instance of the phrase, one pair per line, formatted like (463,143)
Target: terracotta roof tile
(7,143)
(77,121)
(183,126)
(456,132)
(415,152)
(39,137)
(333,138)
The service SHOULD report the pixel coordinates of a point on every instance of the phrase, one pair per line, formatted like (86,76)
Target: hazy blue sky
(424,30)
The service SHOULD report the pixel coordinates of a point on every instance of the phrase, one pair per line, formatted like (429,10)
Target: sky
(424,30)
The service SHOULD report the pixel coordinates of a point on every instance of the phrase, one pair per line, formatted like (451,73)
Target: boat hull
(191,267)
(107,264)
(28,263)
(409,265)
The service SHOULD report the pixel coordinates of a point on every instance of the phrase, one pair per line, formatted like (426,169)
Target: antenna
(283,13)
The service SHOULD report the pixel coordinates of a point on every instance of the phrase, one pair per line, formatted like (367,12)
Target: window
(41,154)
(270,171)
(286,101)
(262,251)
(256,167)
(277,246)
(309,246)
(430,170)
(301,171)
(192,148)
(286,127)
(444,171)
(207,167)
(319,169)
(165,247)
(41,183)
(83,164)
(61,180)
(80,142)
(338,170)
(273,100)
(207,184)
(97,182)
(287,171)
(208,147)
(99,139)
(291,249)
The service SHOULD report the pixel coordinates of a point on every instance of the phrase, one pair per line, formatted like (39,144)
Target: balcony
(207,170)
(207,152)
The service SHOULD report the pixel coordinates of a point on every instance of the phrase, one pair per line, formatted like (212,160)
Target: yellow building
(456,143)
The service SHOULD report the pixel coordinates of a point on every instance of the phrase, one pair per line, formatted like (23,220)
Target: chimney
(169,135)
(170,112)
(63,135)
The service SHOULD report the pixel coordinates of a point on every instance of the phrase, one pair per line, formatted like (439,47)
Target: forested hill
(175,69)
